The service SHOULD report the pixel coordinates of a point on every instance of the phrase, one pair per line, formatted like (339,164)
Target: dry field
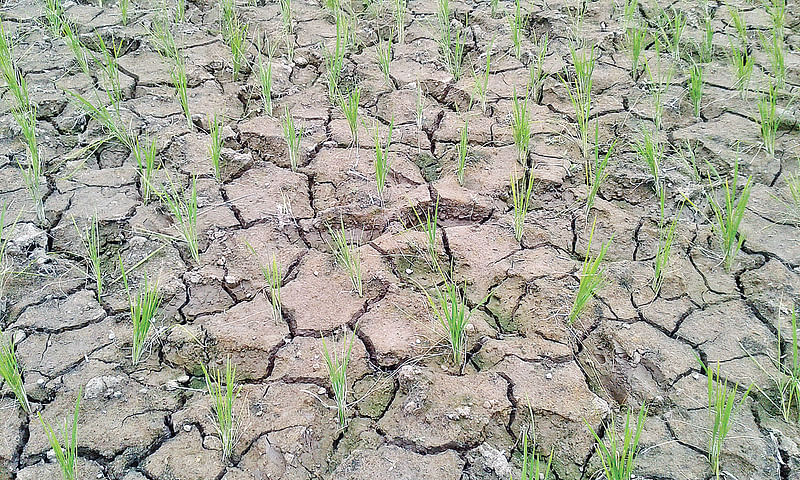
(408,239)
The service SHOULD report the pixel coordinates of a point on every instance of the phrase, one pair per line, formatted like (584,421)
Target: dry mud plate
(683,250)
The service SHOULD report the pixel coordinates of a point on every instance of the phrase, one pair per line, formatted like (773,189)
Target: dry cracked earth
(412,415)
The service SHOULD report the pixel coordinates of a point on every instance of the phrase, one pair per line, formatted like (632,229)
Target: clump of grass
(591,277)
(237,39)
(143,305)
(695,87)
(109,67)
(145,155)
(293,136)
(672,27)
(580,92)
(337,364)
(215,147)
(515,23)
(480,89)
(54,13)
(180,10)
(599,172)
(347,256)
(181,83)
(384,51)
(222,396)
(739,24)
(286,15)
(706,47)
(769,120)
(618,454)
(400,19)
(66,454)
(521,192)
(265,76)
(728,215)
(666,237)
(430,226)
(775,49)
(743,68)
(722,407)
(635,38)
(537,72)
(651,151)
(451,43)
(334,59)
(452,313)
(11,371)
(521,126)
(349,106)
(183,208)
(76,46)
(90,238)
(533,466)
(382,162)
(123,11)
(274,276)
(660,78)
(462,149)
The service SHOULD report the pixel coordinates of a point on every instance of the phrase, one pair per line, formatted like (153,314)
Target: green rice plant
(162,38)
(775,50)
(11,371)
(533,466)
(789,377)
(462,149)
(706,47)
(672,27)
(110,120)
(769,120)
(145,155)
(274,276)
(223,397)
(347,256)
(521,192)
(793,182)
(430,226)
(722,407)
(537,73)
(109,67)
(289,43)
(123,11)
(629,11)
(66,454)
(265,76)
(382,162)
(400,15)
(480,90)
(695,87)
(777,13)
(227,16)
(666,237)
(181,83)
(183,208)
(739,24)
(516,20)
(618,454)
(743,68)
(287,17)
(90,238)
(451,43)
(651,151)
(591,277)
(349,106)
(660,78)
(237,40)
(76,46)
(449,306)
(384,51)
(580,92)
(457,52)
(143,305)
(336,364)
(180,10)
(54,13)
(215,148)
(599,172)
(521,126)
(728,215)
(334,59)
(635,38)
(293,136)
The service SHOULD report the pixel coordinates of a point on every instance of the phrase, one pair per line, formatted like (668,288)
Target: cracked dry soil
(413,416)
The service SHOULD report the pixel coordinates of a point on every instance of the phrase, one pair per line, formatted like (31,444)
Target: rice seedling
(580,92)
(660,78)
(274,276)
(537,73)
(11,370)
(618,454)
(54,13)
(666,237)
(695,87)
(349,106)
(143,305)
(739,24)
(223,397)
(769,120)
(146,163)
(629,11)
(515,23)
(521,126)
(650,150)
(743,68)
(181,83)
(419,112)
(775,50)
(66,454)
(289,43)
(462,149)
(728,215)
(793,183)
(430,227)
(347,256)
(521,192)
(286,15)
(215,148)
(789,377)
(533,466)
(110,120)
(400,15)
(706,47)
(123,11)
(293,136)
(599,172)
(76,46)
(265,76)
(591,277)
(227,16)
(635,38)
(480,90)
(109,66)
(449,306)
(237,38)
(334,60)
(722,407)
(90,238)
(162,38)
(777,13)
(672,28)
(382,162)
(451,43)
(180,10)
(183,208)
(337,364)
(384,51)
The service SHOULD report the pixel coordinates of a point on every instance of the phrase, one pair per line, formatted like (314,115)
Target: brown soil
(412,414)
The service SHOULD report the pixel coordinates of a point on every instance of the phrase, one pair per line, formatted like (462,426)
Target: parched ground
(412,415)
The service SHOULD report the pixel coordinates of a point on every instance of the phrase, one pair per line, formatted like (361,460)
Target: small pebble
(409,271)
(40,381)
(548,376)
(187,428)
(111,336)
(321,391)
